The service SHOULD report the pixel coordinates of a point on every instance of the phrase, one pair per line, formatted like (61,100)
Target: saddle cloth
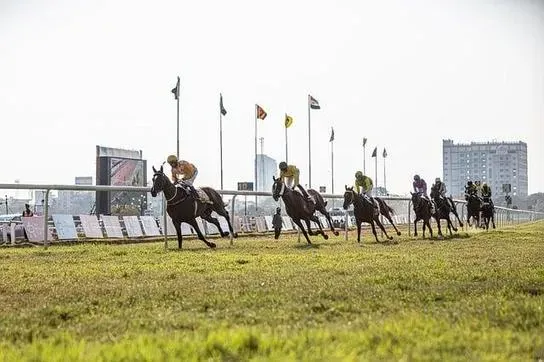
(202,196)
(311,197)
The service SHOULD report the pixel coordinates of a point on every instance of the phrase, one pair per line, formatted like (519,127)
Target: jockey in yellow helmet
(289,174)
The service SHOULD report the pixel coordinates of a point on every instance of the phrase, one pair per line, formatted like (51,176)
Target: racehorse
(300,209)
(474,206)
(386,211)
(488,213)
(442,212)
(422,209)
(182,206)
(364,211)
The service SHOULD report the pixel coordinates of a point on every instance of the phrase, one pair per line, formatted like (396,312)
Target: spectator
(277,223)
(27,213)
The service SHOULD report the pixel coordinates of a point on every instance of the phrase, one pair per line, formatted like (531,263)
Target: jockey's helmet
(283,165)
(172,159)
(358,175)
(437,179)
(416,178)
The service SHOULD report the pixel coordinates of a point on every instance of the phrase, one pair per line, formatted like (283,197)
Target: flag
(288,121)
(364,141)
(175,90)
(332,135)
(223,110)
(384,154)
(314,104)
(375,152)
(261,114)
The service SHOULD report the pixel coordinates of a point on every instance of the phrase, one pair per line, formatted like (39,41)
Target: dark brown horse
(182,206)
(422,209)
(300,209)
(488,212)
(474,206)
(364,211)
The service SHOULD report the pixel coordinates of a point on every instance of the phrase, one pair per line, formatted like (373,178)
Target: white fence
(74,227)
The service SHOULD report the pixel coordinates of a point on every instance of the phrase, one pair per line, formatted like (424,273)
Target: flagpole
(309,147)
(255,157)
(177,122)
(332,169)
(221,138)
(286,148)
(364,156)
(384,184)
(376,172)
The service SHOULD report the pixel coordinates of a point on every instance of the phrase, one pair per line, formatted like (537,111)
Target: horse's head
(416,199)
(277,188)
(159,181)
(349,197)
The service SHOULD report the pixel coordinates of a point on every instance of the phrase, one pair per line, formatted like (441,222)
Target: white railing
(503,215)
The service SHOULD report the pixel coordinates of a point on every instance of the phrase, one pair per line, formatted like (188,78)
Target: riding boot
(304,193)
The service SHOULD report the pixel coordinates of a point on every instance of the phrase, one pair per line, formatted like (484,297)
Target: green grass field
(477,296)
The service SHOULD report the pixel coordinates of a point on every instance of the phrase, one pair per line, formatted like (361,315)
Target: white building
(496,163)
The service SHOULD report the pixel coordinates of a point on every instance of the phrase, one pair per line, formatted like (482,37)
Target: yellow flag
(288,121)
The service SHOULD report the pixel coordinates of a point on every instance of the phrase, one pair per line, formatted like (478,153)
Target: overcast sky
(404,74)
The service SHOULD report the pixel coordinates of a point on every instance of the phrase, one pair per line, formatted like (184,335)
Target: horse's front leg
(299,224)
(377,221)
(374,230)
(194,224)
(359,223)
(428,223)
(437,219)
(493,220)
(177,226)
(415,228)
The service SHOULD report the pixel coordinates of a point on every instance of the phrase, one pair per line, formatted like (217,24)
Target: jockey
(470,189)
(363,186)
(486,193)
(420,187)
(290,175)
(439,189)
(183,173)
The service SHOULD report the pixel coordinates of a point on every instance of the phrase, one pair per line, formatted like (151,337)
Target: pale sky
(404,74)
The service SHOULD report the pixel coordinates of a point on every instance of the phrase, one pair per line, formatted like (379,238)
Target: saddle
(197,193)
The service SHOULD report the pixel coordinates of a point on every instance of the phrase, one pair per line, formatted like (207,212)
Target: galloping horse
(442,212)
(474,206)
(364,211)
(181,206)
(300,209)
(422,209)
(488,213)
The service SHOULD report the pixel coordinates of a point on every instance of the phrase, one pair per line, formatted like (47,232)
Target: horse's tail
(214,196)
(384,206)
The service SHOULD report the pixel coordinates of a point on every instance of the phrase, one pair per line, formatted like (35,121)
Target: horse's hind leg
(329,220)
(199,233)
(225,214)
(308,227)
(390,219)
(318,222)
(214,221)
(415,228)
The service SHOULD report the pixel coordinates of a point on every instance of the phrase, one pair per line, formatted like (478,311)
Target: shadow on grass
(307,246)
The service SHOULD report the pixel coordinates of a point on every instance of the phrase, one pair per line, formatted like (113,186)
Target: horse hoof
(325,236)
(225,234)
(460,224)
(398,233)
(212,245)
(390,238)
(336,233)
(235,235)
